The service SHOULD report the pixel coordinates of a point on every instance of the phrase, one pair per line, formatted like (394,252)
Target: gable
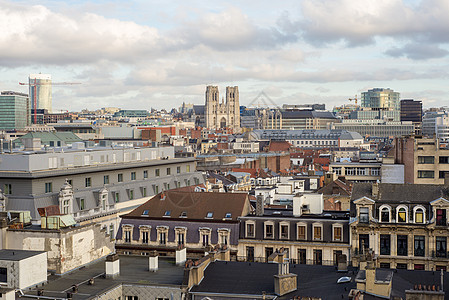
(364,201)
(442,202)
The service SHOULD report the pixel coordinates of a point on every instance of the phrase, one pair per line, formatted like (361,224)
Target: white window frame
(406,213)
(284,223)
(246,229)
(301,224)
(389,212)
(265,229)
(313,231)
(423,211)
(333,232)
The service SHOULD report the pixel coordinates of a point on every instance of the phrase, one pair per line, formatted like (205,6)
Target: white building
(40,89)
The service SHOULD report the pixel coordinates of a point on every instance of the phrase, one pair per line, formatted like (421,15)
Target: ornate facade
(224,114)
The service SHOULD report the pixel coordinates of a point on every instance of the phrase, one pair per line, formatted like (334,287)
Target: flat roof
(133,269)
(16,255)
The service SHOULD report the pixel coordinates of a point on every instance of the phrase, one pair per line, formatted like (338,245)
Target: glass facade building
(381,98)
(14,111)
(43,91)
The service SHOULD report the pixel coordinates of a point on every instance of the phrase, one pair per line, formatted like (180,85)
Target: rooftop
(16,255)
(133,269)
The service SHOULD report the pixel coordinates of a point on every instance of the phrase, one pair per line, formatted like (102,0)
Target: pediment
(364,201)
(440,202)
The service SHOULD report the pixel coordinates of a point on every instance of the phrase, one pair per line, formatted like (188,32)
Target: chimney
(163,196)
(375,190)
(285,282)
(153,261)
(259,205)
(181,254)
(112,265)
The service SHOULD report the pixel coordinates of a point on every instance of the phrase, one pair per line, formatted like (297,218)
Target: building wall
(216,111)
(14,112)
(26,272)
(67,249)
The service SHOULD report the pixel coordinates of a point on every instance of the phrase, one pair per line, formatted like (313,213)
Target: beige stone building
(405,226)
(425,160)
(222,114)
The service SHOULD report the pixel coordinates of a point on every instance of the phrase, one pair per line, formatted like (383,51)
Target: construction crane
(34,86)
(353,99)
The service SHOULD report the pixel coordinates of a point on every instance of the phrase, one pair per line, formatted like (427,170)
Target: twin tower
(224,114)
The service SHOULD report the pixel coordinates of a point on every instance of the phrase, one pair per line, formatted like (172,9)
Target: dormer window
(209,215)
(228,215)
(183,214)
(364,215)
(385,214)
(145,213)
(441,217)
(402,215)
(167,213)
(419,215)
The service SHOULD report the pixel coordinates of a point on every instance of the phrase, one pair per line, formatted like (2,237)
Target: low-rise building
(195,220)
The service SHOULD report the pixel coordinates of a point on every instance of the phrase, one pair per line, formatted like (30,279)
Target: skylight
(209,215)
(183,214)
(228,215)
(167,213)
(145,213)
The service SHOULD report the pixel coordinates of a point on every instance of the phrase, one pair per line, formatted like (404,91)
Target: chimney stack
(181,254)
(259,205)
(375,190)
(112,265)
(153,262)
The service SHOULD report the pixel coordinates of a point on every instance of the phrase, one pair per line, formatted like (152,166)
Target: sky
(142,54)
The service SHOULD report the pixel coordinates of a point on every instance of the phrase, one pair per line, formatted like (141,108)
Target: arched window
(402,215)
(419,214)
(385,214)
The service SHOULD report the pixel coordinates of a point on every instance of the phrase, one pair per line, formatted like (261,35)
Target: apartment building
(94,185)
(405,225)
(306,233)
(425,160)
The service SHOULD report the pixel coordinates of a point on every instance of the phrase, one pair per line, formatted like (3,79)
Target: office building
(376,128)
(411,110)
(14,111)
(381,98)
(40,91)
(299,119)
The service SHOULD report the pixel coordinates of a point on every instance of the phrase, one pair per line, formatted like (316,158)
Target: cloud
(358,23)
(417,51)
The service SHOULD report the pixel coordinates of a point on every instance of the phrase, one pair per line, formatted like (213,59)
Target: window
(426,159)
(133,175)
(48,187)
(425,174)
(167,213)
(364,215)
(250,230)
(168,171)
(441,217)
(117,197)
(120,177)
(228,215)
(419,245)
(338,236)
(205,239)
(188,169)
(3,275)
(8,189)
(385,244)
(442,174)
(419,215)
(284,231)
(317,229)
(441,246)
(183,214)
(402,215)
(145,174)
(156,189)
(145,237)
(302,258)
(317,257)
(444,160)
(301,232)
(385,214)
(181,238)
(82,205)
(402,245)
(127,236)
(131,194)
(363,242)
(269,231)
(88,182)
(144,192)
(209,215)
(106,179)
(178,170)
(157,172)
(162,238)
(145,212)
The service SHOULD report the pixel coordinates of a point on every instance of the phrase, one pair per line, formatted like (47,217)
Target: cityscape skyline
(133,56)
